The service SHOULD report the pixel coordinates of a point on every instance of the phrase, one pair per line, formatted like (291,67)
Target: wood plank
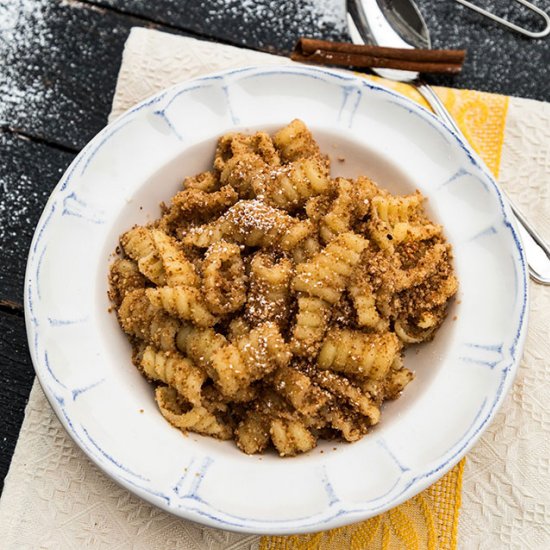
(59,61)
(17,375)
(28,173)
(259,24)
(498,60)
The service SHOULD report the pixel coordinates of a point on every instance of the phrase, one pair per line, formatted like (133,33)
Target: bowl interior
(349,158)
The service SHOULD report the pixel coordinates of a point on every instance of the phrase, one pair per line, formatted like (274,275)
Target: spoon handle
(537,250)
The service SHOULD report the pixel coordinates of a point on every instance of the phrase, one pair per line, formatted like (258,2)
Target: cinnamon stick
(342,54)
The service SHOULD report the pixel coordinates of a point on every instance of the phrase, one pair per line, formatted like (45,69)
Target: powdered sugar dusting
(287,21)
(23,30)
(17,204)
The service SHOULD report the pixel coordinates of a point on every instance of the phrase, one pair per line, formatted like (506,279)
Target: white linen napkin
(54,497)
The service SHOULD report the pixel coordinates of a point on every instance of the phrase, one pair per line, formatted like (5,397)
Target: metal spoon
(399,24)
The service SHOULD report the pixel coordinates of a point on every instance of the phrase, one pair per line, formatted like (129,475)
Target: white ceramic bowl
(83,360)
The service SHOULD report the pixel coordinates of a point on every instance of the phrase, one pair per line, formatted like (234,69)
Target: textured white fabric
(506,487)
(55,498)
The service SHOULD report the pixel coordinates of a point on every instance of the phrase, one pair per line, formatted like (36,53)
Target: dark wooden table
(59,61)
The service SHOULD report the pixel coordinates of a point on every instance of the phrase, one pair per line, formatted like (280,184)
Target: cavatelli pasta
(200,344)
(324,278)
(312,319)
(223,278)
(252,434)
(326,274)
(124,277)
(138,244)
(249,358)
(177,268)
(139,318)
(359,354)
(290,186)
(300,241)
(291,437)
(295,141)
(269,294)
(238,327)
(394,219)
(176,371)
(299,390)
(208,181)
(243,161)
(364,302)
(193,204)
(396,381)
(342,388)
(184,302)
(249,222)
(351,425)
(237,145)
(189,418)
(270,303)
(340,216)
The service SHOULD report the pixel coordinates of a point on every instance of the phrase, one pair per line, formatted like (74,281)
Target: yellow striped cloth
(429,520)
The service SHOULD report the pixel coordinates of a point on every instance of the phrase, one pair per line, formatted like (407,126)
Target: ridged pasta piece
(295,141)
(340,216)
(352,426)
(365,190)
(291,185)
(422,308)
(138,244)
(202,236)
(326,274)
(252,434)
(312,319)
(139,318)
(410,335)
(424,268)
(205,181)
(390,386)
(364,302)
(396,381)
(300,241)
(342,388)
(124,276)
(177,268)
(223,278)
(200,344)
(250,222)
(243,161)
(291,437)
(176,371)
(316,207)
(249,358)
(236,145)
(269,294)
(184,302)
(238,327)
(393,219)
(298,389)
(197,205)
(243,173)
(357,353)
(323,278)
(195,419)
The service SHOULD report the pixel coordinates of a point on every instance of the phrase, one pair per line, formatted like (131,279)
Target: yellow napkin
(429,520)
